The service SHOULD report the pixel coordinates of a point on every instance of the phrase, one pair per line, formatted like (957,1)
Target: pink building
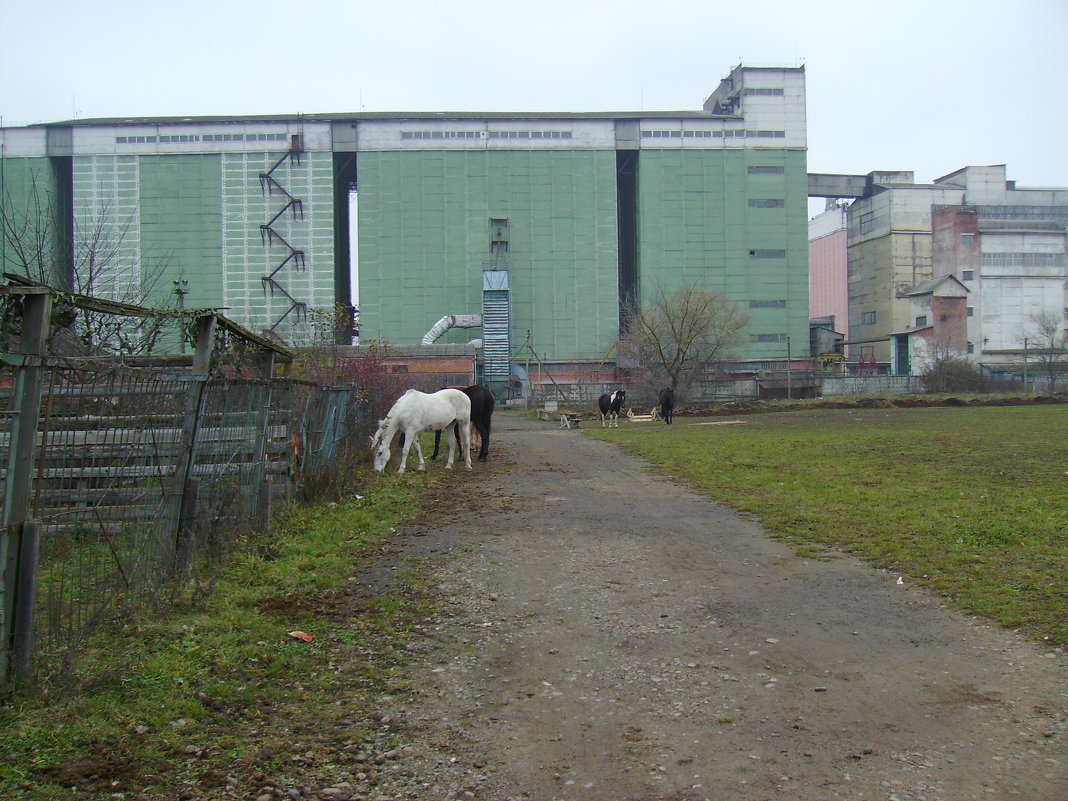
(828,282)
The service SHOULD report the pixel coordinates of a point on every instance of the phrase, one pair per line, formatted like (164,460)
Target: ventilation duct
(451,321)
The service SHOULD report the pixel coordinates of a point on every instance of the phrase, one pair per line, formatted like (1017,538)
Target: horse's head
(380,457)
(380,446)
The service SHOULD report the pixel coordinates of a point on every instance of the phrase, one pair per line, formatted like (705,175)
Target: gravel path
(607,634)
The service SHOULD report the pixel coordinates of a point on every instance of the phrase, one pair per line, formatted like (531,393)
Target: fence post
(185,516)
(262,436)
(28,381)
(26,593)
(183,551)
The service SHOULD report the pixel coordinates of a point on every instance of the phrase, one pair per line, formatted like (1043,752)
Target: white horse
(417,411)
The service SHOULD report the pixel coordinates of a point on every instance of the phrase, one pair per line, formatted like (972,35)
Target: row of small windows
(485,134)
(262,137)
(442,134)
(729,134)
(766,203)
(767,254)
(766,170)
(182,138)
(758,91)
(1023,259)
(530,134)
(767,304)
(768,337)
(1006,212)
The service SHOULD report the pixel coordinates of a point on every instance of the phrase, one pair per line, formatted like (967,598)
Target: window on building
(921,321)
(753,90)
(968,275)
(766,170)
(766,203)
(769,337)
(768,254)
(867,222)
(971,347)
(867,318)
(767,304)
(967,239)
(1024,259)
(971,311)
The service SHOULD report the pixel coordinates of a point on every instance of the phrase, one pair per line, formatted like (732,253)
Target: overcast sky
(927,86)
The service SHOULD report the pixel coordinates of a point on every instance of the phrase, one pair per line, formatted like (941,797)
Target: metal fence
(121,478)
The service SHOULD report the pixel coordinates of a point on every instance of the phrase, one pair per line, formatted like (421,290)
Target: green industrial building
(523,232)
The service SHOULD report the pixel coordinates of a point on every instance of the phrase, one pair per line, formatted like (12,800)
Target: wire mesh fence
(134,474)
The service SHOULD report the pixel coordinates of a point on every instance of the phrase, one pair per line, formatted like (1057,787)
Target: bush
(953,374)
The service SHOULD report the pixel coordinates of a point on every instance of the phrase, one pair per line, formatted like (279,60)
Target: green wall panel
(181,226)
(30,194)
(696,227)
(424,242)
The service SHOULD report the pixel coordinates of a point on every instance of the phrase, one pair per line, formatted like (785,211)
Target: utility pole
(789,383)
(1025,365)
(181,291)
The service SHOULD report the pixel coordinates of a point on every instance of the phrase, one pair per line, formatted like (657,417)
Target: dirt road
(611,635)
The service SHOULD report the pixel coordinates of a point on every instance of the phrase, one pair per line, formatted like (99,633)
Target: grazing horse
(667,404)
(482,404)
(610,406)
(417,411)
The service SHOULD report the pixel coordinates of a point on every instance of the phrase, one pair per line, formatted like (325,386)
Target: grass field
(220,688)
(972,502)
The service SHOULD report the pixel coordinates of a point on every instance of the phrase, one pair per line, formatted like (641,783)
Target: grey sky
(894,85)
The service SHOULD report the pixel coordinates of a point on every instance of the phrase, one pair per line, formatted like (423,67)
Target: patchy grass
(972,502)
(214,700)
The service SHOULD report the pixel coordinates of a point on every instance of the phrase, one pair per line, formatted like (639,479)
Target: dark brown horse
(482,404)
(667,404)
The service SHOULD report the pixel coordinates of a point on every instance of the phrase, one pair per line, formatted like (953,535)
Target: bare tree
(1046,342)
(88,255)
(676,338)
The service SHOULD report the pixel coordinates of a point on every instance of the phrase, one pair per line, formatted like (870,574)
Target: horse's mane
(382,426)
(384,423)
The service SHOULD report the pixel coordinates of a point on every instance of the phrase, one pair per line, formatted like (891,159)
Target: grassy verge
(216,697)
(971,501)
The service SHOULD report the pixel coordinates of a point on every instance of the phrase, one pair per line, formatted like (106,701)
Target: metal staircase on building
(294,257)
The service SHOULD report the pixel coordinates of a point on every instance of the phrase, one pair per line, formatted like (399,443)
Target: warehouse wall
(425,219)
(730,221)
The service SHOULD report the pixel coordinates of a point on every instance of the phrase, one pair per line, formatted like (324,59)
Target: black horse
(482,404)
(610,406)
(667,404)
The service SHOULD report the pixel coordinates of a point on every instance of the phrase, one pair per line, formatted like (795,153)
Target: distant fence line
(800,384)
(120,478)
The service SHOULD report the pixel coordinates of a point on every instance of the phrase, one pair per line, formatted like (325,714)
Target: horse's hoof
(483,458)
